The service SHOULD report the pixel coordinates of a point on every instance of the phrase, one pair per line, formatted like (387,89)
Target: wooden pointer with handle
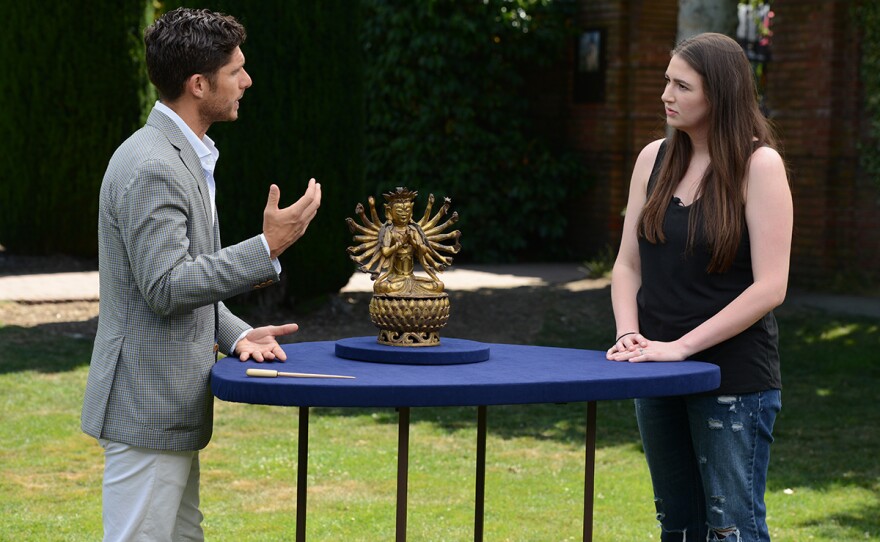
(270,373)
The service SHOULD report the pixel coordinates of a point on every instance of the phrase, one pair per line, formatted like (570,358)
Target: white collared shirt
(205,150)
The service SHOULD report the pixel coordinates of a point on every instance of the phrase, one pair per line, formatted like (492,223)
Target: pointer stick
(272,374)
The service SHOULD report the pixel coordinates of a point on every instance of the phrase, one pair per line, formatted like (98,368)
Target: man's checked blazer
(163,275)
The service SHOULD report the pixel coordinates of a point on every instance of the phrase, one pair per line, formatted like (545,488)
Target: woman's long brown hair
(736,128)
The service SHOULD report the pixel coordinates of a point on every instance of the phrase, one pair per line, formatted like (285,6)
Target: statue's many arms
(389,250)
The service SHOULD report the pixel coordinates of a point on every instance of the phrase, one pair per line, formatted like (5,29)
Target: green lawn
(824,479)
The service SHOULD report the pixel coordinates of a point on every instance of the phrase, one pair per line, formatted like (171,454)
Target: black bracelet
(624,335)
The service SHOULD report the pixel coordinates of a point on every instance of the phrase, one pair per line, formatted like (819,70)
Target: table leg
(480,491)
(402,470)
(589,471)
(302,469)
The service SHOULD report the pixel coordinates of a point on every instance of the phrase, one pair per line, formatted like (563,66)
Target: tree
(448,114)
(698,16)
(302,118)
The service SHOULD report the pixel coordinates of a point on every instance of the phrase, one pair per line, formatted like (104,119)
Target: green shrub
(72,81)
(867,15)
(302,118)
(447,114)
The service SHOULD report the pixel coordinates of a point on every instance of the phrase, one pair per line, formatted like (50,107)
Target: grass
(824,481)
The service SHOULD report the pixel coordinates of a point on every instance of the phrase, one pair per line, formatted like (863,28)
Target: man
(163,277)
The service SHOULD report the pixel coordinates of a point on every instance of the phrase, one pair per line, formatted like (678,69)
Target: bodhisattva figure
(408,309)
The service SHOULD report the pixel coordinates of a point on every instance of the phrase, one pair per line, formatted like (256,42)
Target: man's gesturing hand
(282,227)
(261,344)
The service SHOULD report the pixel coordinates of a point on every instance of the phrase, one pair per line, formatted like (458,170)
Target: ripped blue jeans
(708,457)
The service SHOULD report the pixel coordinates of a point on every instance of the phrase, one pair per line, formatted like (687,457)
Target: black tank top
(678,294)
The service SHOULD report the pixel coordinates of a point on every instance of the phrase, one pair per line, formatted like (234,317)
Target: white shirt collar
(205,148)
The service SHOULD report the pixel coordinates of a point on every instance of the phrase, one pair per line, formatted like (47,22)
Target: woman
(703,261)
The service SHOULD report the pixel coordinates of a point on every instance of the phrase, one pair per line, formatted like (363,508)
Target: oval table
(513,374)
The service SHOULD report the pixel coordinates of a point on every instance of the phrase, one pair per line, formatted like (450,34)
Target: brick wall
(609,134)
(813,95)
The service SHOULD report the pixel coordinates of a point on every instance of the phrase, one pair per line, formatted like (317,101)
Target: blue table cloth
(513,374)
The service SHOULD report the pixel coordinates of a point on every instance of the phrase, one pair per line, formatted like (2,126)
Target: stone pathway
(83,286)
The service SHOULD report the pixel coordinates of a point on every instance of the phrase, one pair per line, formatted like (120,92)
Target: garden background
(439,96)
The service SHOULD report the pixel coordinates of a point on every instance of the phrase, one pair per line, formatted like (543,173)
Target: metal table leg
(589,471)
(480,491)
(402,470)
(302,469)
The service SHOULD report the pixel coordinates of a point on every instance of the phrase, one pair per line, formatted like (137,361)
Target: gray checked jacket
(163,276)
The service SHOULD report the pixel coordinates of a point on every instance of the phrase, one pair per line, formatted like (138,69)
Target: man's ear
(197,85)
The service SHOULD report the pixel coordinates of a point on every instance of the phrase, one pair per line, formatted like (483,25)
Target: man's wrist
(275,263)
(236,341)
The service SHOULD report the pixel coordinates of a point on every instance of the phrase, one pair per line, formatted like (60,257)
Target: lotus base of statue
(409,321)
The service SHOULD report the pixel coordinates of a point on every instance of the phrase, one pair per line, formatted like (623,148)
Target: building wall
(608,134)
(813,96)
(813,93)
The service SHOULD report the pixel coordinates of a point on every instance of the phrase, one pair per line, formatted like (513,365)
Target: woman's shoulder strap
(655,171)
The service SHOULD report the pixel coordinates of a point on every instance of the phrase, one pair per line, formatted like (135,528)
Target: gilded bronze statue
(408,309)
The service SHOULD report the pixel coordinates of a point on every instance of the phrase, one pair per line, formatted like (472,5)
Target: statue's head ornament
(402,194)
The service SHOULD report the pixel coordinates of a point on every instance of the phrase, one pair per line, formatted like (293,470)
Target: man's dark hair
(184,42)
